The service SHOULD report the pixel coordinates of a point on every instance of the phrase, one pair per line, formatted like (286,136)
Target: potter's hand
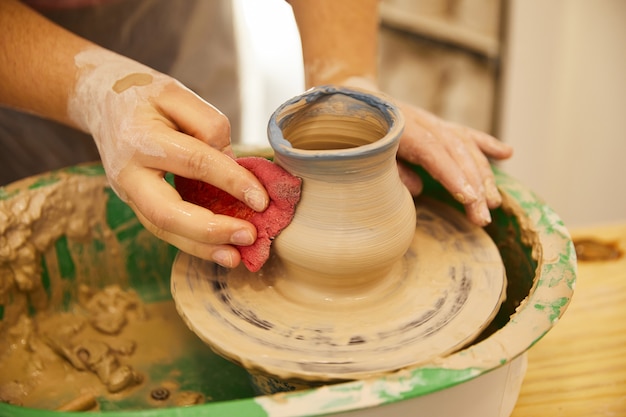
(454,155)
(146,124)
(339,47)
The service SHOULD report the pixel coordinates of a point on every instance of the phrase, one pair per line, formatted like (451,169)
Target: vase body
(355,219)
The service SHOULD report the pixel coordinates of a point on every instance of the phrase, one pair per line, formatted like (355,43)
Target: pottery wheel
(443,293)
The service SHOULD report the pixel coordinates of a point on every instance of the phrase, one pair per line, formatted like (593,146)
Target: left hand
(456,156)
(339,47)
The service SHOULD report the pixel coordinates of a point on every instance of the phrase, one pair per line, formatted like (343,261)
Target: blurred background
(548,77)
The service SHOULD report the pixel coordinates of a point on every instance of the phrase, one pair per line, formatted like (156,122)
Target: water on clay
(164,364)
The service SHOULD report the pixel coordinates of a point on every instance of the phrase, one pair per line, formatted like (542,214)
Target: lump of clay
(283,190)
(108,309)
(101,359)
(65,339)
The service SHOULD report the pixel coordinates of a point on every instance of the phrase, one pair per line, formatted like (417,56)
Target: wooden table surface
(579,368)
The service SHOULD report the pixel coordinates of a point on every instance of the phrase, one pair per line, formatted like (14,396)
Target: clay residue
(32,221)
(67,360)
(53,343)
(136,79)
(107,312)
(588,249)
(108,309)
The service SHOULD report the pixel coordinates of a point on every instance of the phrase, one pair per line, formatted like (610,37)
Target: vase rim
(391,113)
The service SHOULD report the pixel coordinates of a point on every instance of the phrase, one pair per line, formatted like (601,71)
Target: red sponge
(283,190)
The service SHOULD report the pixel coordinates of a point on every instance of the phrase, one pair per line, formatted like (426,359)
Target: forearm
(37,68)
(339,40)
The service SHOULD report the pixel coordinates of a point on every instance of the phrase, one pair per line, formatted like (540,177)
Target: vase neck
(340,168)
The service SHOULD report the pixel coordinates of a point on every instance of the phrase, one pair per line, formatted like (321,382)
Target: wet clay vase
(364,280)
(355,219)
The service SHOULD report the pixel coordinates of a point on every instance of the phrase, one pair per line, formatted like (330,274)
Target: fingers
(486,146)
(490,146)
(190,228)
(195,117)
(476,168)
(191,158)
(429,152)
(201,150)
(410,179)
(420,146)
(184,135)
(457,157)
(486,181)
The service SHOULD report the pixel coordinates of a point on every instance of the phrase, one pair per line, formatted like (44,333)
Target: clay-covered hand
(147,124)
(339,47)
(456,156)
